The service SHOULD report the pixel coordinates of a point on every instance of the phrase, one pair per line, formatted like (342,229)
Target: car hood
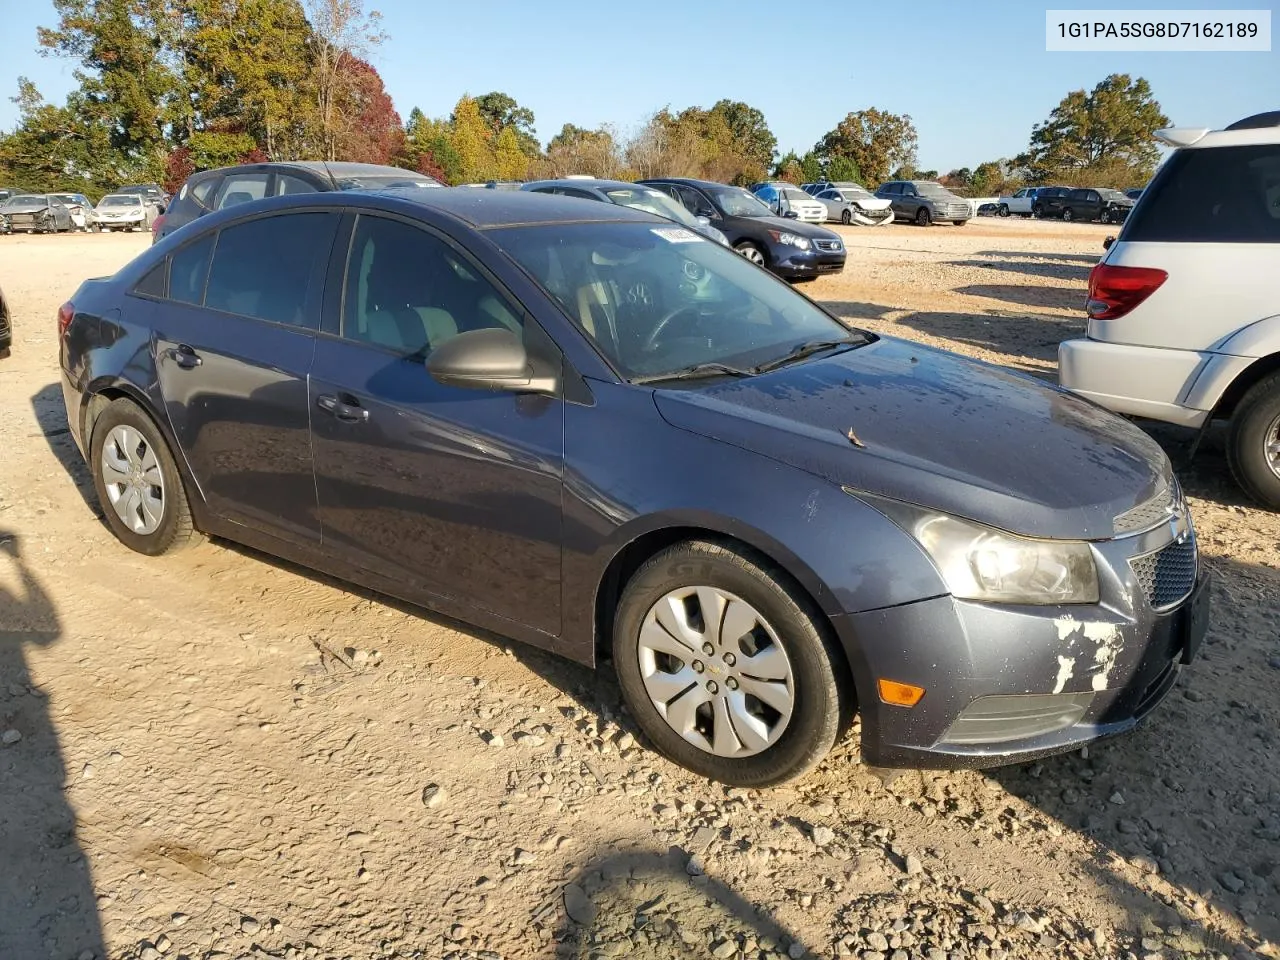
(110,210)
(791,225)
(939,430)
(871,203)
(30,206)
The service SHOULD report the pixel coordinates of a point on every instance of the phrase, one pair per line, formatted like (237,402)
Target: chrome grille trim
(1146,516)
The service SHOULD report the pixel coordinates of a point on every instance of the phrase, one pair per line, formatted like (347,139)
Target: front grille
(875,214)
(829,246)
(22,219)
(956,210)
(1167,575)
(1146,515)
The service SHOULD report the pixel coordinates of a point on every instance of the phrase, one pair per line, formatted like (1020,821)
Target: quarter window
(152,285)
(263,268)
(287,185)
(188,270)
(407,291)
(242,188)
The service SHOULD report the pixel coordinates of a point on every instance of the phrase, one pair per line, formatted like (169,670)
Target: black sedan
(767,520)
(35,213)
(789,248)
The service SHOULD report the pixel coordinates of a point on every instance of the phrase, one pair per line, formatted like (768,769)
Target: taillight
(155,224)
(1114,291)
(65,313)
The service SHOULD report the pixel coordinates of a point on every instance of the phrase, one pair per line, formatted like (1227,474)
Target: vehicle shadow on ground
(51,415)
(648,905)
(47,902)
(1053,298)
(1200,774)
(1047,266)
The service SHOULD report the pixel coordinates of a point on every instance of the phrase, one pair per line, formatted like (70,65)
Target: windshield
(1112,195)
(146,190)
(933,190)
(794,195)
(24,198)
(736,202)
(658,299)
(653,201)
(852,190)
(120,200)
(385,182)
(67,198)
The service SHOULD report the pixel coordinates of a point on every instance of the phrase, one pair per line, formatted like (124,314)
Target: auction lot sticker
(1158,30)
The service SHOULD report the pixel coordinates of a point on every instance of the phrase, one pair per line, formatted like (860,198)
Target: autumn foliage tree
(874,140)
(366,127)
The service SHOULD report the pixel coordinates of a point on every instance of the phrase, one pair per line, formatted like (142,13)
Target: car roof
(321,167)
(580,182)
(693,182)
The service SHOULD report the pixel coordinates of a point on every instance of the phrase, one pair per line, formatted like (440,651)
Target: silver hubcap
(1273,446)
(752,254)
(132,477)
(716,672)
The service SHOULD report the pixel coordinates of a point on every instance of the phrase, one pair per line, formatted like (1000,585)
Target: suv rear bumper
(1138,381)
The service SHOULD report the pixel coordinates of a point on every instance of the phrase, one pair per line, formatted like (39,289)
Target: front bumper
(1006,684)
(792,264)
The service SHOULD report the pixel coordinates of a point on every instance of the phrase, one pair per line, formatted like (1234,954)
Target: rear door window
(287,185)
(1212,195)
(242,188)
(263,268)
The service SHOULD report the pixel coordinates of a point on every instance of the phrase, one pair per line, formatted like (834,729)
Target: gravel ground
(218,755)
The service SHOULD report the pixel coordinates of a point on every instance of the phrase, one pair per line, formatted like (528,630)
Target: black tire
(176,528)
(959,223)
(846,217)
(923,217)
(822,705)
(753,253)
(1037,211)
(1254,425)
(1068,214)
(1004,210)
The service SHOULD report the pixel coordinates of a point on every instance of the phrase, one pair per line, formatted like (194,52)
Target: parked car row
(129,208)
(1070,203)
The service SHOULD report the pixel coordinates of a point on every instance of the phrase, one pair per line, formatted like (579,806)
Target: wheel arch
(1243,383)
(639,545)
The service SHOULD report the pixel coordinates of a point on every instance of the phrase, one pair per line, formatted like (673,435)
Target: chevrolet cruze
(591,429)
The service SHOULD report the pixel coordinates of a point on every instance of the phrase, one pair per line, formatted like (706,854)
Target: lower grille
(1167,575)
(22,219)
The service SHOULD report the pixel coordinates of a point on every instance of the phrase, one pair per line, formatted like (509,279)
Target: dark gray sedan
(35,213)
(768,521)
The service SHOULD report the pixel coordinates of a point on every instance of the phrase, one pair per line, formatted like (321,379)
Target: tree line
(165,89)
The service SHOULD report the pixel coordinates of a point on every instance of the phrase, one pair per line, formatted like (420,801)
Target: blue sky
(983,79)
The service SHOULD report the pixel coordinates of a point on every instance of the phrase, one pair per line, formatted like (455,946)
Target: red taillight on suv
(1114,291)
(156,224)
(65,313)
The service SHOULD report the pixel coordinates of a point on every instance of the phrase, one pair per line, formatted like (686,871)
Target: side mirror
(704,220)
(489,360)
(791,215)
(706,213)
(1106,244)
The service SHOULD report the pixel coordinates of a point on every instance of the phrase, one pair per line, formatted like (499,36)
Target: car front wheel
(138,483)
(1004,210)
(1068,214)
(846,217)
(923,219)
(725,668)
(1253,447)
(751,252)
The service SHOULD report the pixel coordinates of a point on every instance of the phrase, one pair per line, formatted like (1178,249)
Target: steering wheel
(651,341)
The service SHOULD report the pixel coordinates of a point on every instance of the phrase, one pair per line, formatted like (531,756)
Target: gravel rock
(912,865)
(148,952)
(724,949)
(694,867)
(493,739)
(10,737)
(1117,798)
(180,919)
(796,950)
(823,836)
(1231,882)
(249,926)
(433,795)
(578,906)
(523,857)
(877,941)
(163,943)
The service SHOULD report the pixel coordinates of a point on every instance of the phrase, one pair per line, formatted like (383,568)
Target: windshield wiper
(696,372)
(808,348)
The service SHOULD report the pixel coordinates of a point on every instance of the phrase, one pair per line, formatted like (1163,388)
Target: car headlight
(978,562)
(790,239)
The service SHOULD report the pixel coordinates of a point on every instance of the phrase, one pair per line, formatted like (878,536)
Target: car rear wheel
(846,217)
(1004,210)
(1068,214)
(1253,446)
(752,253)
(923,219)
(138,483)
(725,668)
(1037,211)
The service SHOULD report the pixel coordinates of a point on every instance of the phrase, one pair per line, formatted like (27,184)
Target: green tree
(340,29)
(579,150)
(811,167)
(843,170)
(875,140)
(1109,127)
(58,148)
(501,112)
(751,134)
(510,162)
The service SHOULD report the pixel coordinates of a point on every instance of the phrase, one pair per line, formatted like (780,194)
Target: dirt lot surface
(216,755)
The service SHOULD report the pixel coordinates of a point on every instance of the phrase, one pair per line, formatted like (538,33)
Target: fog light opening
(899,694)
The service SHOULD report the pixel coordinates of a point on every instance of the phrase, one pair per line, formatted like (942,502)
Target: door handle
(346,412)
(185,356)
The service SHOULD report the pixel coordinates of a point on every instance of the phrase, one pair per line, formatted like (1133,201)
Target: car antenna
(329,173)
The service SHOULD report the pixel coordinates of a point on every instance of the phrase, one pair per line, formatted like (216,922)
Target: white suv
(1184,309)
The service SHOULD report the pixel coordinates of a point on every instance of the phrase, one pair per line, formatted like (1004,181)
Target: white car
(787,199)
(1019,202)
(1184,309)
(124,211)
(81,209)
(853,203)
